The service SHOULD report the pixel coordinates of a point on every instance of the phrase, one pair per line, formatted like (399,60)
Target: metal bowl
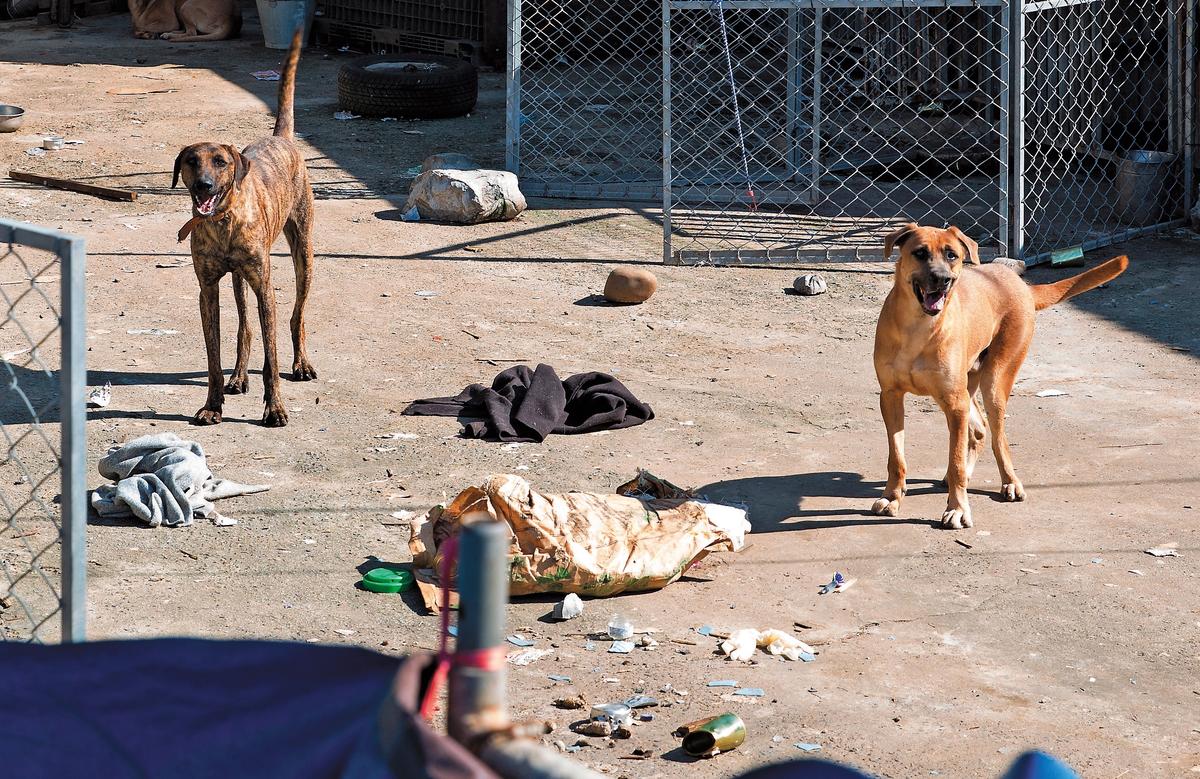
(10,118)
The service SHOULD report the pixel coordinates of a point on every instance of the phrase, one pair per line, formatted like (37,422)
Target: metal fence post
(666,132)
(1016,102)
(1189,107)
(512,134)
(72,386)
(1004,238)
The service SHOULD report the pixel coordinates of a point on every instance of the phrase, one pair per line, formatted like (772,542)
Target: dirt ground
(952,653)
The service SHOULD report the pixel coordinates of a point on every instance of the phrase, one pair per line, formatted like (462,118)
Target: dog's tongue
(935,301)
(206,207)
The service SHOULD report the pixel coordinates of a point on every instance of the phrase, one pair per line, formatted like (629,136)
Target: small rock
(569,607)
(809,284)
(574,702)
(630,285)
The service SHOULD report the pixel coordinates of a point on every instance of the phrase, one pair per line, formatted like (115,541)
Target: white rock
(569,607)
(466,196)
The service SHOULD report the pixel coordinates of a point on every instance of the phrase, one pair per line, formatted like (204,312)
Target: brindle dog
(241,202)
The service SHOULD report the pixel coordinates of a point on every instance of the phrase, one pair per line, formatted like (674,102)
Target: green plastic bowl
(387,580)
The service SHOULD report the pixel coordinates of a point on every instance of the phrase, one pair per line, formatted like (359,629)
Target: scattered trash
(1136,572)
(527,656)
(723,683)
(639,754)
(388,119)
(412,132)
(53,143)
(597,544)
(162,480)
(343,631)
(100,397)
(574,702)
(1163,551)
(152,331)
(427,293)
(621,647)
(569,607)
(411,215)
(346,115)
(705,630)
(712,736)
(620,628)
(646,717)
(750,692)
(403,515)
(267,75)
(387,580)
(741,644)
(807,747)
(36,151)
(399,436)
(223,521)
(809,284)
(616,713)
(641,702)
(837,584)
(519,641)
(590,646)
(559,678)
(1097,560)
(1050,393)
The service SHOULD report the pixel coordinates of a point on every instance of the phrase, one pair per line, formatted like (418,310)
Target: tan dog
(185,21)
(241,202)
(947,330)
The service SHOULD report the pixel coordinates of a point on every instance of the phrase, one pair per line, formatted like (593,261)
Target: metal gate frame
(72,385)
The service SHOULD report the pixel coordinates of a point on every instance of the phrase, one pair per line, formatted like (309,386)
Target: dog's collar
(190,224)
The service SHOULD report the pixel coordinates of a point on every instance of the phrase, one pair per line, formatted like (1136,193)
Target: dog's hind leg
(998,380)
(239,382)
(891,405)
(299,235)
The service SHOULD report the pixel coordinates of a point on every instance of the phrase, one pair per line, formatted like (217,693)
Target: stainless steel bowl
(10,118)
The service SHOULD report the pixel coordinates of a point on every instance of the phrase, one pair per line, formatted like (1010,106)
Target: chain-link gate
(42,492)
(813,128)
(1105,103)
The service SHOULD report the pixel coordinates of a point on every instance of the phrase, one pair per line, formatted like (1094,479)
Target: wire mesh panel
(1100,152)
(585,98)
(812,127)
(42,493)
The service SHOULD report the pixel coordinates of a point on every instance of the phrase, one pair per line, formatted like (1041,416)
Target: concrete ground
(1046,625)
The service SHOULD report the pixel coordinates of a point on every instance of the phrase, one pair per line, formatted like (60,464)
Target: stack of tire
(408,86)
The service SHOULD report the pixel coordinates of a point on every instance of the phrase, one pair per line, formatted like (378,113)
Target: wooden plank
(73,186)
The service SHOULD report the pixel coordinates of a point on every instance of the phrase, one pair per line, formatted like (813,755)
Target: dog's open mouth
(208,205)
(932,300)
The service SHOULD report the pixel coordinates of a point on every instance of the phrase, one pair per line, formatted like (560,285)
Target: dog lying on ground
(947,330)
(185,21)
(241,202)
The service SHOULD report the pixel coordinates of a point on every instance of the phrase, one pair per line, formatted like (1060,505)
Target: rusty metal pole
(477,714)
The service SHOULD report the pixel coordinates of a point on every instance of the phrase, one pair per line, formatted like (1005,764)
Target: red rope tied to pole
(486,659)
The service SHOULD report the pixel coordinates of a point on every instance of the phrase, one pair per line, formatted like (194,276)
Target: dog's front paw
(275,416)
(1011,493)
(207,416)
(303,371)
(237,385)
(957,518)
(886,508)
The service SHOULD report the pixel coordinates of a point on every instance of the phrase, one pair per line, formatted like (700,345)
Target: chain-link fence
(812,129)
(1105,108)
(43,497)
(808,128)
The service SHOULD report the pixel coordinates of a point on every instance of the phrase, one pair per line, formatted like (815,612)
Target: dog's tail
(284,121)
(1046,295)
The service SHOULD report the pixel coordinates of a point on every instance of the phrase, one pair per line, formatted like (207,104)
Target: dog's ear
(897,238)
(241,166)
(970,246)
(178,163)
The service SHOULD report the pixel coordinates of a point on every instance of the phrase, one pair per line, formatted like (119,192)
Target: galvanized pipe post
(478,709)
(512,82)
(1016,102)
(71,390)
(477,699)
(667,170)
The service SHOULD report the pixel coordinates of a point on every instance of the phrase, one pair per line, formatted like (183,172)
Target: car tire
(408,86)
